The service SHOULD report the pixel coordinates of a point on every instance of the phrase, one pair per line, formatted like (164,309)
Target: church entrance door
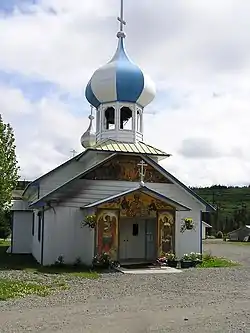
(132,239)
(151,239)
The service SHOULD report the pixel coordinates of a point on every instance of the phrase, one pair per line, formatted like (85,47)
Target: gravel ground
(234,251)
(205,300)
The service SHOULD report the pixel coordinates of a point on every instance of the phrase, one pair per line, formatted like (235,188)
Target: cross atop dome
(121,33)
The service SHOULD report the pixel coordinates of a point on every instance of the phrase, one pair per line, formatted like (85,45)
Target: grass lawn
(11,288)
(210,261)
(16,289)
(26,262)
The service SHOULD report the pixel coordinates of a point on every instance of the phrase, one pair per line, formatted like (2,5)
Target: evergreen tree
(8,174)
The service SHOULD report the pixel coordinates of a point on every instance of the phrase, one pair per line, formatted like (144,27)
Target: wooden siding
(84,192)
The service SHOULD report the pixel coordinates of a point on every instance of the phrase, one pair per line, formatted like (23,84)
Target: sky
(197,52)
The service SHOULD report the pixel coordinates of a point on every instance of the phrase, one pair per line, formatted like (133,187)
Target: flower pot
(189,226)
(172,263)
(186,263)
(101,266)
(196,262)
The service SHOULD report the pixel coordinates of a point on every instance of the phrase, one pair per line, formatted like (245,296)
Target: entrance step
(147,270)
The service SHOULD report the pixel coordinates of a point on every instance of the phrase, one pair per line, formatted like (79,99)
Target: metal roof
(127,147)
(146,190)
(71,180)
(241,228)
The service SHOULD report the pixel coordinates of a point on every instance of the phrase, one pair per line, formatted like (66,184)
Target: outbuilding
(241,235)
(205,226)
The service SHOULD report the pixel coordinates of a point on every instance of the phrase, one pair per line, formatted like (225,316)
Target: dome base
(119,121)
(123,136)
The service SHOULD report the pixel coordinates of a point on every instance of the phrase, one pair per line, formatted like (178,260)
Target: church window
(109,119)
(135,229)
(97,120)
(126,118)
(139,121)
(33,224)
(39,226)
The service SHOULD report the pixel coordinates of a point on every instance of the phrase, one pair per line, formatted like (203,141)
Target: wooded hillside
(233,206)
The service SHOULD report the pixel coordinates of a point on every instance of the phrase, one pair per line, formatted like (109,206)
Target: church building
(113,197)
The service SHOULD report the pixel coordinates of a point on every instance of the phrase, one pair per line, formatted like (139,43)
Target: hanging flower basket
(188,224)
(90,221)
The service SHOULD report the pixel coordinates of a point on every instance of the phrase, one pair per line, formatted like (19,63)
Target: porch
(136,227)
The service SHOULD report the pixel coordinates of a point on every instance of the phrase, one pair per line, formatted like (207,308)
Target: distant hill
(233,206)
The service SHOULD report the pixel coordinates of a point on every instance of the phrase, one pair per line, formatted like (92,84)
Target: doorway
(137,239)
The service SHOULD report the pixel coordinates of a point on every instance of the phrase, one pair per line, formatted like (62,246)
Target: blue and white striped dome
(120,80)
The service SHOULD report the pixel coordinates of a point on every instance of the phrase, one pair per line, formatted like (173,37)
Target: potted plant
(101,261)
(162,260)
(172,260)
(196,258)
(90,221)
(187,224)
(186,261)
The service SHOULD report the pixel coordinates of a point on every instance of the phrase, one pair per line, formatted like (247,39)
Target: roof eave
(177,205)
(53,170)
(74,178)
(209,208)
(128,153)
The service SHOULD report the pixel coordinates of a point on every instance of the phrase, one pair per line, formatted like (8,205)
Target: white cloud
(45,136)
(197,52)
(13,103)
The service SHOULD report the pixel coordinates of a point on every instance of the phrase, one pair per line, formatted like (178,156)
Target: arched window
(139,121)
(126,118)
(109,118)
(97,120)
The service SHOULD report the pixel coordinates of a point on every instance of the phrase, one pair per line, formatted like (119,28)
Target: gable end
(125,168)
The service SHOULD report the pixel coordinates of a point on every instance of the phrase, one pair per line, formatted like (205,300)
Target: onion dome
(88,139)
(120,81)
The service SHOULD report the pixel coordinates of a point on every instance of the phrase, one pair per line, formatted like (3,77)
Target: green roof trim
(128,147)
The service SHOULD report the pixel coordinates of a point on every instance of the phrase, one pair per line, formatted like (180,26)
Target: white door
(132,239)
(136,240)
(124,232)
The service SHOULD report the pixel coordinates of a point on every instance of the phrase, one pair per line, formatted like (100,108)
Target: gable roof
(111,146)
(146,190)
(177,181)
(41,200)
(241,228)
(154,164)
(36,181)
(126,147)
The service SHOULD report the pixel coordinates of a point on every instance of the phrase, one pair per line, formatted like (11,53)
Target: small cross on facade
(73,152)
(142,172)
(121,19)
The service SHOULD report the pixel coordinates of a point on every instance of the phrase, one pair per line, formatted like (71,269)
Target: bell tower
(119,91)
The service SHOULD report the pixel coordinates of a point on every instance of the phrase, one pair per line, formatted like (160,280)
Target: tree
(5,223)
(8,173)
